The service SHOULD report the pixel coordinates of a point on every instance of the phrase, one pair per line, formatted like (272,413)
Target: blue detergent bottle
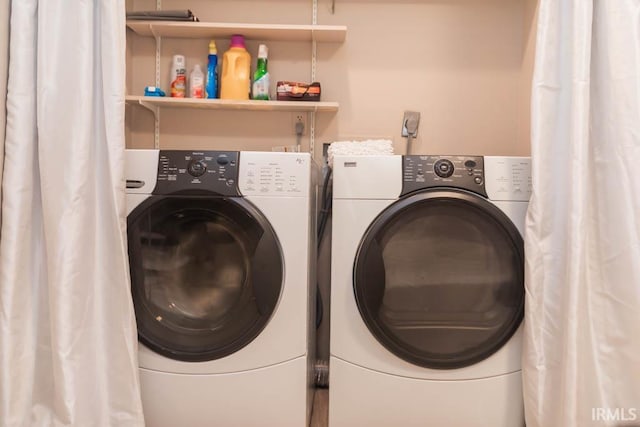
(212,71)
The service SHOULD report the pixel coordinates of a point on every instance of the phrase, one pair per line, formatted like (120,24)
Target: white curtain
(581,362)
(4,65)
(68,346)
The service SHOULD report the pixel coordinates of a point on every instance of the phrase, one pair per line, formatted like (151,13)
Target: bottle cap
(212,47)
(178,60)
(263,51)
(197,68)
(237,40)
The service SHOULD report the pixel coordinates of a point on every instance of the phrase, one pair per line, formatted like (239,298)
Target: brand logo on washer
(350,164)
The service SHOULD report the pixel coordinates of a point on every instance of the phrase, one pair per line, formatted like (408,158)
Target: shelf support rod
(156,110)
(158,40)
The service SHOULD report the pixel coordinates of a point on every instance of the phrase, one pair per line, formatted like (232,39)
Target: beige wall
(465,65)
(528,59)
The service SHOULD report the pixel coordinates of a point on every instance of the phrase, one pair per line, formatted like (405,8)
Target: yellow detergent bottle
(236,71)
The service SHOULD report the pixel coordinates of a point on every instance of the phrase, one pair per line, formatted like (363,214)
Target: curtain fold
(4,65)
(581,363)
(68,342)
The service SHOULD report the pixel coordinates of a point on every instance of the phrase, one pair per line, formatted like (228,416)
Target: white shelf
(211,30)
(153,102)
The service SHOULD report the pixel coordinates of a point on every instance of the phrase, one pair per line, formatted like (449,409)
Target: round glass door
(439,279)
(206,274)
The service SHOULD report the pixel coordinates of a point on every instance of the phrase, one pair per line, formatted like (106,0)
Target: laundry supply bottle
(261,76)
(196,83)
(235,82)
(212,71)
(178,77)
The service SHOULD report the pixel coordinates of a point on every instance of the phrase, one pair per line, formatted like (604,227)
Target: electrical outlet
(411,120)
(299,118)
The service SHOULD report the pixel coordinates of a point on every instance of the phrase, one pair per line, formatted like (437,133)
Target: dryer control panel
(508,178)
(198,171)
(420,172)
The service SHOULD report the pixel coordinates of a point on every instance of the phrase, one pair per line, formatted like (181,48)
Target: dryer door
(206,274)
(439,278)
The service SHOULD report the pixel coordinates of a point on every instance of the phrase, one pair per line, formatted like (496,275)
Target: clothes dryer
(221,250)
(427,291)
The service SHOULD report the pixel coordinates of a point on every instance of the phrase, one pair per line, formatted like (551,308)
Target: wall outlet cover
(410,123)
(299,118)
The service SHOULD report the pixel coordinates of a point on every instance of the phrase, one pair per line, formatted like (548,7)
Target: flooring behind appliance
(320,414)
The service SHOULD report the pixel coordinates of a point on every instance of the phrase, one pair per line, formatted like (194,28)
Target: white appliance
(427,291)
(221,249)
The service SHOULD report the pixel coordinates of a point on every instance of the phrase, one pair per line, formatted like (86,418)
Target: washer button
(477,180)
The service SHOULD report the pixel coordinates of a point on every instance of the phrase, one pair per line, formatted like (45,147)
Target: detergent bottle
(178,77)
(212,71)
(196,83)
(235,80)
(261,76)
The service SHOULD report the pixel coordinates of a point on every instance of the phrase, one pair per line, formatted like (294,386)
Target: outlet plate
(410,116)
(299,118)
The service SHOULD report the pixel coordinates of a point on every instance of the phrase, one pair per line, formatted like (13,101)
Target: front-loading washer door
(439,278)
(206,274)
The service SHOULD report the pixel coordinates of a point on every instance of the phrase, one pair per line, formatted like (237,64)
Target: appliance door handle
(134,183)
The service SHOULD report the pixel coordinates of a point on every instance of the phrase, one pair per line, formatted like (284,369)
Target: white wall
(464,64)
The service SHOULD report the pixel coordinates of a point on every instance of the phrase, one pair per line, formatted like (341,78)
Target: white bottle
(196,82)
(178,77)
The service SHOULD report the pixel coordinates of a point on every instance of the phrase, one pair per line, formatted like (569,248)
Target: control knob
(443,168)
(196,168)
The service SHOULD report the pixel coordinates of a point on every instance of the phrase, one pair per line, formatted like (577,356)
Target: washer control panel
(208,171)
(420,172)
(275,174)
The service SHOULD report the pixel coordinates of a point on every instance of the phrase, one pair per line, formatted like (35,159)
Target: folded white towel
(359,148)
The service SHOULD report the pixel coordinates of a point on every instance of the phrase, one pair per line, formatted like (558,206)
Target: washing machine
(427,292)
(221,249)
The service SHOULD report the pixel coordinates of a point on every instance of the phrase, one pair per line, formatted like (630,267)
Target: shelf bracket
(156,118)
(149,106)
